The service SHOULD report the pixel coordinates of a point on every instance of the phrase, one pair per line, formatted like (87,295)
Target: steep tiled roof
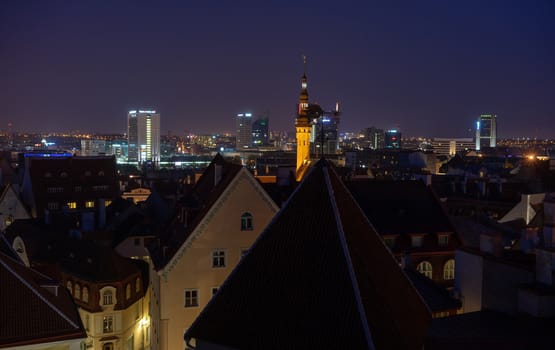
(30,314)
(204,194)
(318,277)
(399,207)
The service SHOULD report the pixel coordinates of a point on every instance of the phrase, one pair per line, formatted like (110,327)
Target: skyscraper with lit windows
(143,136)
(243,127)
(486,131)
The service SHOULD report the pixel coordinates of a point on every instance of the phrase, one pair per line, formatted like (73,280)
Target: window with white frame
(107,297)
(218,258)
(425,268)
(191,297)
(108,324)
(77,293)
(449,270)
(246,222)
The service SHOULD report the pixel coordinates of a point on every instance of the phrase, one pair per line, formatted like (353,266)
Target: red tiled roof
(29,313)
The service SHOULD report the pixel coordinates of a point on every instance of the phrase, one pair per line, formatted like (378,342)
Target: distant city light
(132,112)
(240,115)
(248,114)
(147,111)
(477,125)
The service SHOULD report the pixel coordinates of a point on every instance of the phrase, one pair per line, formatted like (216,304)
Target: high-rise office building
(486,131)
(243,127)
(260,132)
(393,139)
(325,133)
(143,136)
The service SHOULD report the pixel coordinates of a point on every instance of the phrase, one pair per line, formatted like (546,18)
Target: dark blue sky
(429,67)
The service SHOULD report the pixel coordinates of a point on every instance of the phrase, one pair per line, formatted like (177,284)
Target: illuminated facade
(143,136)
(260,132)
(325,133)
(243,123)
(302,128)
(393,139)
(486,131)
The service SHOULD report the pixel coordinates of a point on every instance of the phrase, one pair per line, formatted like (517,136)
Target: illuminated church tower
(302,126)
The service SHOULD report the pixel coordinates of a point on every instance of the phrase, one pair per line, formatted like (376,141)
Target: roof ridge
(345,248)
(36,292)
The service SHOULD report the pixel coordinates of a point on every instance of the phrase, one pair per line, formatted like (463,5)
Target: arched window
(107,297)
(77,294)
(246,221)
(138,285)
(85,294)
(69,287)
(128,291)
(449,270)
(425,268)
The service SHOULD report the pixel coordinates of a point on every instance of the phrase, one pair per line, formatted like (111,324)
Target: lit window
(107,202)
(69,287)
(137,285)
(77,292)
(449,270)
(85,294)
(218,258)
(107,297)
(89,204)
(191,297)
(72,205)
(127,291)
(425,268)
(416,241)
(246,222)
(108,324)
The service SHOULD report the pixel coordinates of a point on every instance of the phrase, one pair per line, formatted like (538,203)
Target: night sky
(427,67)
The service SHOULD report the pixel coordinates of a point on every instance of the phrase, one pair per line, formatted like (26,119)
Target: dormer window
(85,294)
(443,240)
(107,297)
(77,294)
(416,240)
(128,291)
(138,285)
(69,287)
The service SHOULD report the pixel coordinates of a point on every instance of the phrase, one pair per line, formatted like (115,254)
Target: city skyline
(429,69)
